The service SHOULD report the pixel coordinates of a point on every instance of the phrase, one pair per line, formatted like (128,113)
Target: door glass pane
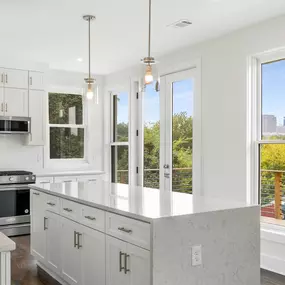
(120,117)
(151,137)
(182,135)
(273,100)
(120,164)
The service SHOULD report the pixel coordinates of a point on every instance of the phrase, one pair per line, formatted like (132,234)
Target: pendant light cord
(89,38)
(149,28)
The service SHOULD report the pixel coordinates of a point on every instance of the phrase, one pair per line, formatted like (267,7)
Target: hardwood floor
(24,270)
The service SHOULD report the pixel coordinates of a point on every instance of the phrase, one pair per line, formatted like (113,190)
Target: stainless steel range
(15,202)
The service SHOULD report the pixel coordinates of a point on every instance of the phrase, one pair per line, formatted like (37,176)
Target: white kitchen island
(6,246)
(102,233)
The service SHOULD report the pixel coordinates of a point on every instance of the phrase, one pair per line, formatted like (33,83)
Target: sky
(273,90)
(182,102)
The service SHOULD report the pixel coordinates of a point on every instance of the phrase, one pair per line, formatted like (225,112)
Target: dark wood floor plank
(24,269)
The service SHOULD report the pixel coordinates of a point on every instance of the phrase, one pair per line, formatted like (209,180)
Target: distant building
(281,130)
(269,124)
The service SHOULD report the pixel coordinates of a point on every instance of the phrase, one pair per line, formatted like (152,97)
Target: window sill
(272,221)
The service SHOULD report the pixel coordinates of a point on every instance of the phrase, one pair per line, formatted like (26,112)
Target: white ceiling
(53,31)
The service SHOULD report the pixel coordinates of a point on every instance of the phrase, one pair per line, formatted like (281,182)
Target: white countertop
(46,172)
(6,244)
(141,203)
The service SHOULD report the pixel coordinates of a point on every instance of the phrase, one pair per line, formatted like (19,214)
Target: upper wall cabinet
(16,102)
(36,80)
(15,78)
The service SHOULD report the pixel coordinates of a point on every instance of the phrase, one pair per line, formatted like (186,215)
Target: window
(120,138)
(271,140)
(66,126)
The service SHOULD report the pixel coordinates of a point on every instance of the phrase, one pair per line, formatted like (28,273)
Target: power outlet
(196,255)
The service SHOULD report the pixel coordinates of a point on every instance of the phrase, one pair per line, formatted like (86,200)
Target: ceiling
(52,31)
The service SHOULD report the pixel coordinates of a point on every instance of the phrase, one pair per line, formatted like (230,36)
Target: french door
(171,134)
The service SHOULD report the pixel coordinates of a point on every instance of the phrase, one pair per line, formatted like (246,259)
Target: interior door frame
(166,128)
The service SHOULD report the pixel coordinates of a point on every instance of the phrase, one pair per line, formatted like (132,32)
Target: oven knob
(11,178)
(27,178)
(33,177)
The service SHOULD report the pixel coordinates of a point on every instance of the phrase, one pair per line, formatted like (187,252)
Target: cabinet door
(38,235)
(15,78)
(88,179)
(115,250)
(92,256)
(16,102)
(2,77)
(138,264)
(1,101)
(36,113)
(70,254)
(53,227)
(64,179)
(36,80)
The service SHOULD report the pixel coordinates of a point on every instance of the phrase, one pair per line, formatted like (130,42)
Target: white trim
(75,162)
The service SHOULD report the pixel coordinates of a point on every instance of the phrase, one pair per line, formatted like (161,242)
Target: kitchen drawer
(52,203)
(93,218)
(88,179)
(70,209)
(129,230)
(64,179)
(44,180)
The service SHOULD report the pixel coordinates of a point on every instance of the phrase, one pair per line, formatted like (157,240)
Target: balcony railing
(272,194)
(181,179)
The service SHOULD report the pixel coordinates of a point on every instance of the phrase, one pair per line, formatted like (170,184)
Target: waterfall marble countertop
(141,203)
(6,244)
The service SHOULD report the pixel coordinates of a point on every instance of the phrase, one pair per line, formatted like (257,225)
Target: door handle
(67,210)
(122,229)
(120,261)
(2,78)
(90,218)
(126,263)
(6,78)
(166,175)
(45,227)
(2,107)
(35,193)
(51,204)
(31,80)
(6,107)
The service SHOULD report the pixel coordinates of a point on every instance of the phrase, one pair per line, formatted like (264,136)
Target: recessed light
(79,59)
(180,24)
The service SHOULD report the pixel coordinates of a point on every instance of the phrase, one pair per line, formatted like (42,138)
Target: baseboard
(273,264)
(46,276)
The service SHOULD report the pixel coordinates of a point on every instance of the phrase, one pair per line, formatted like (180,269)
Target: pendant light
(149,61)
(90,82)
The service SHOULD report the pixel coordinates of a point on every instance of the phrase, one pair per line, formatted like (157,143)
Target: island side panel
(230,242)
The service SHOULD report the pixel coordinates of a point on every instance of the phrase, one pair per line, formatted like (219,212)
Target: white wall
(224,107)
(14,154)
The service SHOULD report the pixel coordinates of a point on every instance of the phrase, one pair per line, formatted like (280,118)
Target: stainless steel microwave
(15,125)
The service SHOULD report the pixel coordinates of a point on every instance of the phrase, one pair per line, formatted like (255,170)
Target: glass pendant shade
(91,92)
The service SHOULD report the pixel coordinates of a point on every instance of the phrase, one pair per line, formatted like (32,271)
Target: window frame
(112,129)
(254,121)
(67,163)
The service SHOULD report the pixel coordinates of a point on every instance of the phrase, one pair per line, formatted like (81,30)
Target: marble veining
(137,202)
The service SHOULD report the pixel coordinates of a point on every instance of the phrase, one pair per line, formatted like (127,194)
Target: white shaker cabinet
(37,114)
(2,103)
(16,102)
(92,261)
(15,78)
(36,80)
(138,262)
(115,259)
(70,255)
(38,235)
(52,225)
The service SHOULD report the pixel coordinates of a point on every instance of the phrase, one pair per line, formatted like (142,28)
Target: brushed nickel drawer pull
(75,238)
(78,240)
(90,218)
(126,263)
(51,204)
(35,193)
(2,78)
(120,261)
(67,210)
(6,76)
(45,227)
(122,229)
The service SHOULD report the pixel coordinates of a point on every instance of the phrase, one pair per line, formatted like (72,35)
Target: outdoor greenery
(66,142)
(182,153)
